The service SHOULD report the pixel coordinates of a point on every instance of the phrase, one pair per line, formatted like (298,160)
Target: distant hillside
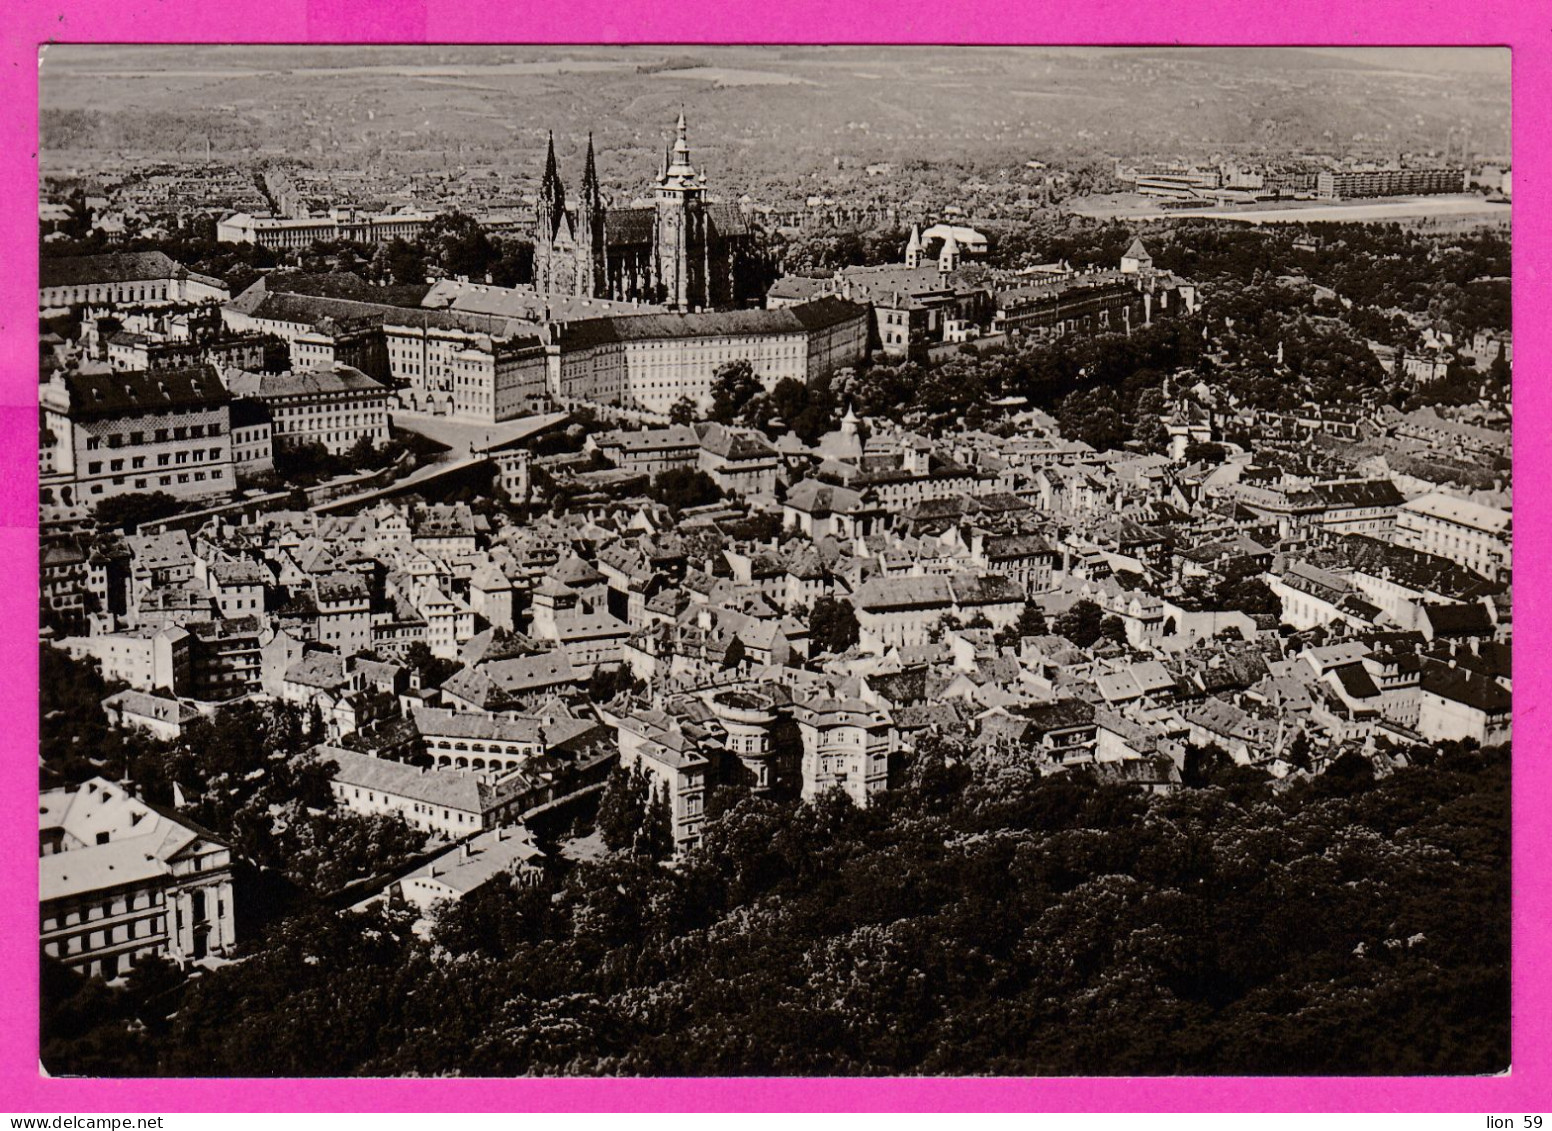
(758,112)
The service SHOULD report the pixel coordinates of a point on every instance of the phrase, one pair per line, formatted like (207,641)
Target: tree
(513,265)
(1031,622)
(460,245)
(832,625)
(1148,415)
(316,731)
(679,488)
(1113,628)
(1203,763)
(788,400)
(129,511)
(1241,589)
(606,683)
(1198,451)
(1081,623)
(655,840)
(1299,751)
(78,221)
(363,453)
(405,262)
(683,412)
(623,809)
(733,386)
(432,669)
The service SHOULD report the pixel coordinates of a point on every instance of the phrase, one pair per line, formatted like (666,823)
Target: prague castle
(683,251)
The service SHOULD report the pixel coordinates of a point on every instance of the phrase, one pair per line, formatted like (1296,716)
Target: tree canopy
(981,920)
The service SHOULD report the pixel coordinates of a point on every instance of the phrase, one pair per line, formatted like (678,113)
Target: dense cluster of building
(1332,580)
(1390,627)
(1236,183)
(942,295)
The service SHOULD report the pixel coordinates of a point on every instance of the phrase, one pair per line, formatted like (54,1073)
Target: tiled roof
(445,788)
(1492,520)
(821,314)
(164,390)
(338,378)
(113,267)
(883,594)
(1460,685)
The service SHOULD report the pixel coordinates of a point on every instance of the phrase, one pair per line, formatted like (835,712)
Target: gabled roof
(1461,685)
(112,267)
(162,390)
(883,594)
(339,378)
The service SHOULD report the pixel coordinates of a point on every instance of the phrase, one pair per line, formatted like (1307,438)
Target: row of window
(158,436)
(112,936)
(162,480)
(120,292)
(316,409)
(119,905)
(94,467)
(418,807)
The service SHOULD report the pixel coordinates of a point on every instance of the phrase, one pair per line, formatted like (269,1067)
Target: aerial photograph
(774,561)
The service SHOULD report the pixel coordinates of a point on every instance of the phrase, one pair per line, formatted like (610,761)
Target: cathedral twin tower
(682,252)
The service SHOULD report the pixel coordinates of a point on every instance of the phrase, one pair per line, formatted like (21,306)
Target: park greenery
(983,919)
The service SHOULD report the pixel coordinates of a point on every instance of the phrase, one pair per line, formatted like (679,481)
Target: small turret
(551,208)
(679,172)
(913,249)
(948,258)
(1136,260)
(591,269)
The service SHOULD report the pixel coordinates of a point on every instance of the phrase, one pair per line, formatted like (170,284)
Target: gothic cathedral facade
(684,252)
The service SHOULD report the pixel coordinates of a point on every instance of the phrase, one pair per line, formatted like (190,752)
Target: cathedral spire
(550,172)
(590,168)
(677,170)
(552,194)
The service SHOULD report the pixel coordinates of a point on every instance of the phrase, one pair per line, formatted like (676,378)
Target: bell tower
(681,229)
(592,269)
(549,219)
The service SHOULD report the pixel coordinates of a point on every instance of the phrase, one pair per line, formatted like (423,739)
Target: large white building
(336,406)
(122,279)
(484,366)
(281,232)
(120,880)
(653,361)
(1467,533)
(846,746)
(449,802)
(444,361)
(114,433)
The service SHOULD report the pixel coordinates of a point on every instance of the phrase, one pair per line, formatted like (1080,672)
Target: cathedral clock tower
(680,247)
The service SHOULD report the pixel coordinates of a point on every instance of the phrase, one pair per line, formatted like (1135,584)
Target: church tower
(592,269)
(948,258)
(680,245)
(550,224)
(913,249)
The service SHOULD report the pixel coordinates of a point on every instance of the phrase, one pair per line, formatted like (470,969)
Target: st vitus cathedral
(684,252)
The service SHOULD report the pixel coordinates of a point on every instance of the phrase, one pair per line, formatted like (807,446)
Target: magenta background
(26,23)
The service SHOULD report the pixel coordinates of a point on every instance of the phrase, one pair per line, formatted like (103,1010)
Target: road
(463,437)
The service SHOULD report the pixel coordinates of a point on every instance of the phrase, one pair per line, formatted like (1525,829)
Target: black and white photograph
(774,561)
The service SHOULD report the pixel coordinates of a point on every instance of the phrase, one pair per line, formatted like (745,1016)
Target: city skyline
(775,561)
